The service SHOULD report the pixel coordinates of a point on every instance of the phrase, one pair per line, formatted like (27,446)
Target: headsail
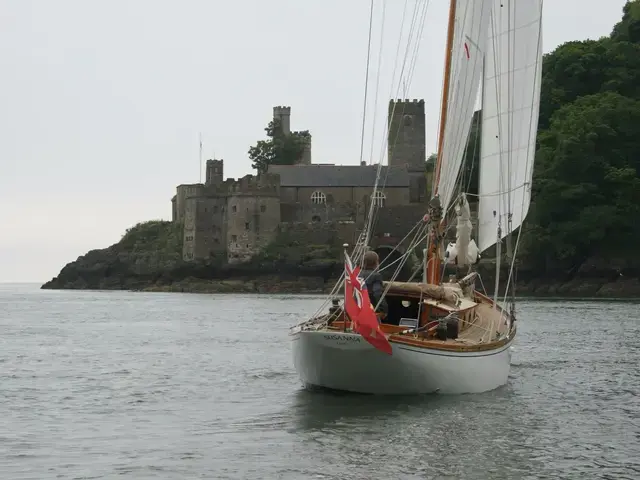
(469,43)
(513,72)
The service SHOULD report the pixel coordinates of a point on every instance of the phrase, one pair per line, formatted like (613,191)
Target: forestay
(469,43)
(513,68)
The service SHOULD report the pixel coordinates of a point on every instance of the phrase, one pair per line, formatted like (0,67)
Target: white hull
(345,361)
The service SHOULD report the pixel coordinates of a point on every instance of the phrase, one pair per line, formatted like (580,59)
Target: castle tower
(306,154)
(407,134)
(284,115)
(215,172)
(407,144)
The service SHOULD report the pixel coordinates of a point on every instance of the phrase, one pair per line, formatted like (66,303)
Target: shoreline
(587,288)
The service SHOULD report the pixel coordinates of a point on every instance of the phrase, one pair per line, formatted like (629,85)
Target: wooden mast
(433,254)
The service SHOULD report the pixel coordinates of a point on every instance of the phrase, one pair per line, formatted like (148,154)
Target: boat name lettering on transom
(342,338)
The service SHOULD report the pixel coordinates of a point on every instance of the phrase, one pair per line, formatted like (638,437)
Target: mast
(433,256)
(445,90)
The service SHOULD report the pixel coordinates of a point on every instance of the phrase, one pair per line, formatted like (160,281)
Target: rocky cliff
(149,258)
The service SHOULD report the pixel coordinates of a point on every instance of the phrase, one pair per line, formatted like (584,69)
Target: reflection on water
(123,385)
(320,409)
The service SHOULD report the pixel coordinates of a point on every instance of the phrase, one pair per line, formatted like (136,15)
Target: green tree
(628,29)
(430,163)
(586,185)
(576,69)
(279,148)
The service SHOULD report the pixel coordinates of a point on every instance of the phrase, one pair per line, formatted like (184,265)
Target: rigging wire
(375,96)
(363,239)
(402,83)
(419,12)
(366,81)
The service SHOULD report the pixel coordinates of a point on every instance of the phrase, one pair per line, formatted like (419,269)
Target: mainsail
(510,105)
(469,43)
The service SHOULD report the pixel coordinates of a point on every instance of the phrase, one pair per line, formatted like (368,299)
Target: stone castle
(238,218)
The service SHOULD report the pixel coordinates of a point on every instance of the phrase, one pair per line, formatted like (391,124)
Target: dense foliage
(279,148)
(586,187)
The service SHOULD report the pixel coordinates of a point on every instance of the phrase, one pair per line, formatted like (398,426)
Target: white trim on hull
(345,361)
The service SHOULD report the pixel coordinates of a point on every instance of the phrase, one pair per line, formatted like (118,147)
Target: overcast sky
(101,102)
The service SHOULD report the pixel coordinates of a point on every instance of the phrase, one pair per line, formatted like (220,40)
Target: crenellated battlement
(406,107)
(283,115)
(260,185)
(215,163)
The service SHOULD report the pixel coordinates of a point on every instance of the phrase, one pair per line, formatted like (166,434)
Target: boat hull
(345,361)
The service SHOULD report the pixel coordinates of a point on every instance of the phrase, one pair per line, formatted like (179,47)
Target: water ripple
(123,385)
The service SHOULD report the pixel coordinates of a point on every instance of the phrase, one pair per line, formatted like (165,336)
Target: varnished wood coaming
(431,343)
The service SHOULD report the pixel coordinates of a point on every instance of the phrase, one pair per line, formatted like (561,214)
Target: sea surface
(119,385)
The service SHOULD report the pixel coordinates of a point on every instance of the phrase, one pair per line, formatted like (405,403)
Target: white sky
(101,102)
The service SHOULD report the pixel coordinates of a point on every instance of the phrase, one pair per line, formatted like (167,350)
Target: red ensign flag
(359,308)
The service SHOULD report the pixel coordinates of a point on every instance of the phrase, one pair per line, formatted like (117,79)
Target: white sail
(510,105)
(469,43)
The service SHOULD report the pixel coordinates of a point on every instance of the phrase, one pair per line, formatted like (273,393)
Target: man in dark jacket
(373,279)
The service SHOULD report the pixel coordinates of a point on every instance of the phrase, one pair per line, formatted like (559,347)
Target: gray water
(180,386)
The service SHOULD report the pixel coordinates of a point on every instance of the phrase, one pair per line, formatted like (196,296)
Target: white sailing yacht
(448,337)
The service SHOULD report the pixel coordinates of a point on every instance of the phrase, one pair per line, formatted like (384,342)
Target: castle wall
(253,216)
(396,222)
(207,238)
(182,193)
(319,213)
(174,209)
(340,195)
(252,223)
(189,228)
(321,233)
(418,189)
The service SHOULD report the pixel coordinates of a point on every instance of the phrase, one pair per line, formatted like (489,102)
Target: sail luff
(445,91)
(470,38)
(509,118)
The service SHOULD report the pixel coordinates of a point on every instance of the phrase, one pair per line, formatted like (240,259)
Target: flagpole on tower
(200,157)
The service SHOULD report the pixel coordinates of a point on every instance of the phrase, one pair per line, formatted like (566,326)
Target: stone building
(237,218)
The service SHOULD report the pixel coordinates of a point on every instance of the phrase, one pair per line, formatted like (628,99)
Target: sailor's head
(370,260)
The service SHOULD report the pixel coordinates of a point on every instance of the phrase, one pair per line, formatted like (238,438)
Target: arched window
(318,197)
(378,198)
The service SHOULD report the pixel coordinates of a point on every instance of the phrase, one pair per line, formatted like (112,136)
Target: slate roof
(339,175)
